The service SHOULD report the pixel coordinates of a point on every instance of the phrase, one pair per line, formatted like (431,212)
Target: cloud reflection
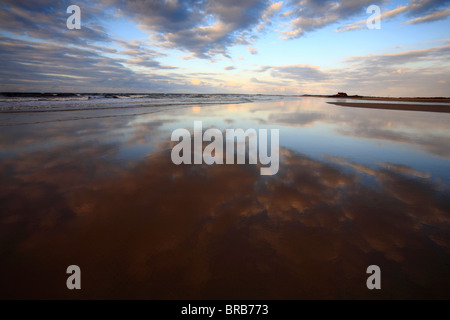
(156,230)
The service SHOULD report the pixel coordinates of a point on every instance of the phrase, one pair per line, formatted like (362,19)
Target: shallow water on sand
(355,187)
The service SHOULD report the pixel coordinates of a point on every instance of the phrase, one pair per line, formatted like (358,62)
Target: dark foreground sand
(396,106)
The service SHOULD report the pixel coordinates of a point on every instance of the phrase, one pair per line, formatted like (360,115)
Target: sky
(227,46)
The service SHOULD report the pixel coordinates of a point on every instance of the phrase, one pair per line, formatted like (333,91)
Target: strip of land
(404,99)
(396,106)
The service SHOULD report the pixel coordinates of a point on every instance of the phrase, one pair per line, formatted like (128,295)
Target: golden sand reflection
(232,107)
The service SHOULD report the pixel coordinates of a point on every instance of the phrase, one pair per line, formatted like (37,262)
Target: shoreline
(400,107)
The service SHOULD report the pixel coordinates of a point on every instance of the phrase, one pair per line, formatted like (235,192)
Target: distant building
(339,95)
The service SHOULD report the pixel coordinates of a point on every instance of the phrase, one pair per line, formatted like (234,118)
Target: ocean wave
(46,102)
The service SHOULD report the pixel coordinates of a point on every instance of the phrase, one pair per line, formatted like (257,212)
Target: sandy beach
(393,99)
(96,187)
(397,106)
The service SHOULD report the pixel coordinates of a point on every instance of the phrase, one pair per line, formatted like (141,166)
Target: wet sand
(99,190)
(417,99)
(396,106)
(393,99)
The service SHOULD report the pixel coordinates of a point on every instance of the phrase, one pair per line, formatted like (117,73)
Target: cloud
(390,74)
(46,20)
(424,10)
(420,7)
(434,16)
(268,14)
(270,83)
(230,68)
(53,67)
(393,74)
(300,73)
(54,58)
(311,15)
(404,57)
(362,23)
(351,27)
(263,69)
(140,55)
(204,28)
(253,50)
